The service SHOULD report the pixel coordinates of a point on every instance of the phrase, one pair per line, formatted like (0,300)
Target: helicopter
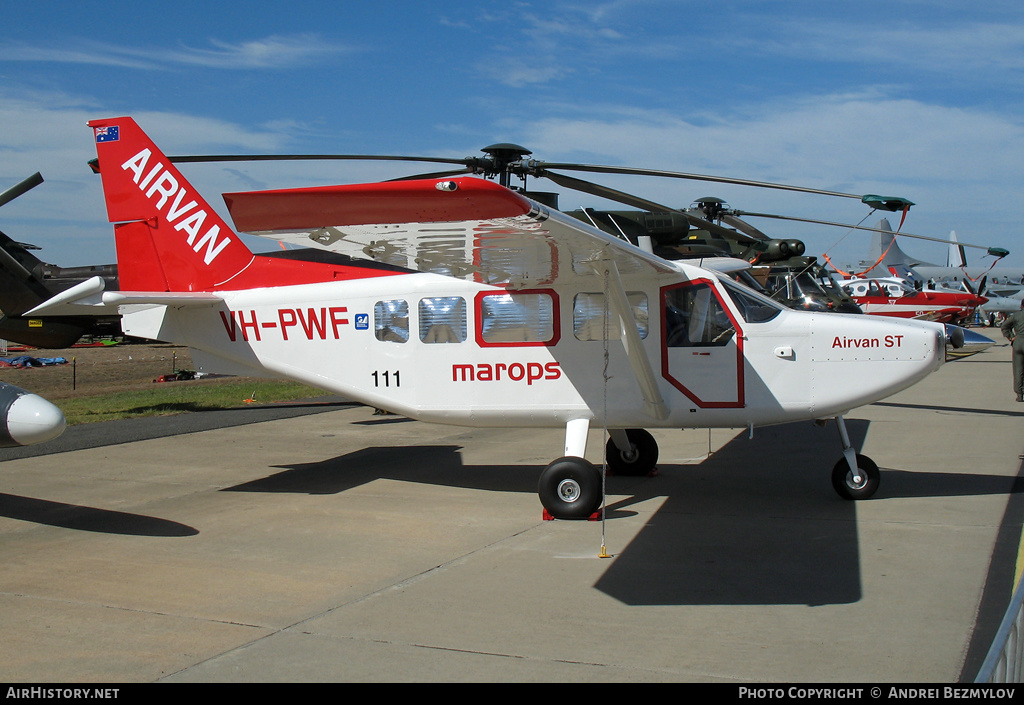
(693,233)
(26,281)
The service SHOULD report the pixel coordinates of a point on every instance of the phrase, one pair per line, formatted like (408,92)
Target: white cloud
(962,167)
(976,51)
(273,52)
(65,215)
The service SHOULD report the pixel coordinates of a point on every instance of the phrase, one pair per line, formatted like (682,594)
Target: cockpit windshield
(753,306)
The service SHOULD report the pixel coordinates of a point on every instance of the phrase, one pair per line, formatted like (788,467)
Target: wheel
(570,488)
(842,478)
(639,461)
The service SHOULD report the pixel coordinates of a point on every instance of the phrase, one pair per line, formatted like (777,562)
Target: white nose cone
(32,419)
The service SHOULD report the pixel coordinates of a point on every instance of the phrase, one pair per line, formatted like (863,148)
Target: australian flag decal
(107,134)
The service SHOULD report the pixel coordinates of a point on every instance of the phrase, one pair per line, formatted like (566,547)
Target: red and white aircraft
(894,297)
(481,307)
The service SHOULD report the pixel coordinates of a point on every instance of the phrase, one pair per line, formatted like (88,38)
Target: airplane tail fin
(885,251)
(956,257)
(168,237)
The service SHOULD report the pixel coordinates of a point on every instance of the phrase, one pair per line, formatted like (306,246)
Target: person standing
(1013,329)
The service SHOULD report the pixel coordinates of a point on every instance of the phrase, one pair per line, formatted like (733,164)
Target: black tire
(842,478)
(570,488)
(638,463)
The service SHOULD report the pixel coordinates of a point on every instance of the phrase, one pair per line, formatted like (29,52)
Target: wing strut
(629,335)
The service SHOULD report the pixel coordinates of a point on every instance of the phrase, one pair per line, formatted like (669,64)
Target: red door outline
(698,351)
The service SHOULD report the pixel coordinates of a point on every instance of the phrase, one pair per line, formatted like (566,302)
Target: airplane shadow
(958,409)
(437,465)
(756,523)
(81,518)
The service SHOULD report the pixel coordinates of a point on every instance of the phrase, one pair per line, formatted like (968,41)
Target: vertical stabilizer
(886,257)
(168,236)
(957,256)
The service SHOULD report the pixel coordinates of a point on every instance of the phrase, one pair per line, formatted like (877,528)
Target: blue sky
(917,99)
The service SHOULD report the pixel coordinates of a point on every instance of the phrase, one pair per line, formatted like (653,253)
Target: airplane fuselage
(453,351)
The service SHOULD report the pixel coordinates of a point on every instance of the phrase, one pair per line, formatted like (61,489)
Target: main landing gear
(572,487)
(855,476)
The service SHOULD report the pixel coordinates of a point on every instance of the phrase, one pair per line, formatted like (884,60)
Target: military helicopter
(26,281)
(779,267)
(787,273)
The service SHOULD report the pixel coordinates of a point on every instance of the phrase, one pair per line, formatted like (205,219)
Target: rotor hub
(505,159)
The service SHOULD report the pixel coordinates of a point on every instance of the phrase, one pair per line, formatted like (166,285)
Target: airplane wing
(468,228)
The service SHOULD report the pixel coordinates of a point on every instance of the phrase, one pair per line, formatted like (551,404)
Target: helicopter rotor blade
(636,202)
(693,177)
(855,227)
(435,175)
(20,188)
(196,158)
(506,160)
(743,227)
(606,192)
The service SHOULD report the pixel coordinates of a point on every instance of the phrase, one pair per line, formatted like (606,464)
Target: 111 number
(384,379)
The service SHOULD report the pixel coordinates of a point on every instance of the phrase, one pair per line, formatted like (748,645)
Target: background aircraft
(891,296)
(892,260)
(709,227)
(27,418)
(1000,299)
(26,281)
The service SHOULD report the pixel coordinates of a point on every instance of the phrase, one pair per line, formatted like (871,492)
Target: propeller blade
(20,188)
(637,202)
(694,177)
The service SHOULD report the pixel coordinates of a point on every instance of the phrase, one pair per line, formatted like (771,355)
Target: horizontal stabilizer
(89,298)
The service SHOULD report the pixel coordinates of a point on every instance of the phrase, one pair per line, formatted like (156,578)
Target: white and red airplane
(481,307)
(894,297)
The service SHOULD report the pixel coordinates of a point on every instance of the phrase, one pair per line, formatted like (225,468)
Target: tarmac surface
(321,542)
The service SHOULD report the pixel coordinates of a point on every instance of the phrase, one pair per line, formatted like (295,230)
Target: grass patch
(178,398)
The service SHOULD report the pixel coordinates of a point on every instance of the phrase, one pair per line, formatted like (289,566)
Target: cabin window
(588,316)
(694,317)
(443,319)
(518,318)
(391,321)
